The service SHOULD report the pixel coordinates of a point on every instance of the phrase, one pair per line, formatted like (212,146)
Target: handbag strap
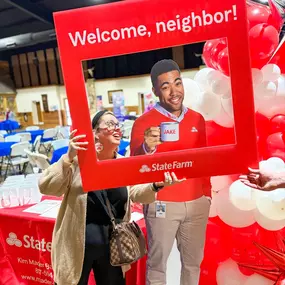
(109,208)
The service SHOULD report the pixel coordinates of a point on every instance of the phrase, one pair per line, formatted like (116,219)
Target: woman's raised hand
(75,145)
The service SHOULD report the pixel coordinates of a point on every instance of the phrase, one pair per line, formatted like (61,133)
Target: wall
(56,94)
(24,101)
(25,96)
(131,87)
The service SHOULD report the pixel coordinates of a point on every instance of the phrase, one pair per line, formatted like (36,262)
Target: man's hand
(169,180)
(152,138)
(263,180)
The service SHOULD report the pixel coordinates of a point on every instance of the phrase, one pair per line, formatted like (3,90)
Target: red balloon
(218,243)
(243,250)
(276,145)
(263,39)
(223,61)
(259,63)
(263,126)
(207,52)
(275,18)
(216,49)
(278,123)
(257,14)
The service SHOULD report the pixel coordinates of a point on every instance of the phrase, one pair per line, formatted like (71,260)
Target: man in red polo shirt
(186,204)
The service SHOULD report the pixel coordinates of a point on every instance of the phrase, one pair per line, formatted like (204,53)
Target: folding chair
(48,137)
(13,138)
(32,162)
(60,143)
(25,137)
(32,128)
(37,144)
(41,160)
(16,158)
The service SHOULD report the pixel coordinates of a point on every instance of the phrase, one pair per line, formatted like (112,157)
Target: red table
(25,244)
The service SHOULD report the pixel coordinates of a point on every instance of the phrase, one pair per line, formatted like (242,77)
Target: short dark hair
(161,67)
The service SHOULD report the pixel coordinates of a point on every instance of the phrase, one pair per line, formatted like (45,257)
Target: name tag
(160,210)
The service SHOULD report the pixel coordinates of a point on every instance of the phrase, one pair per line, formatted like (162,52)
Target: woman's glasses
(112,127)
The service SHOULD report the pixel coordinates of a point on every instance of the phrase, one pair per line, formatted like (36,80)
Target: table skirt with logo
(25,250)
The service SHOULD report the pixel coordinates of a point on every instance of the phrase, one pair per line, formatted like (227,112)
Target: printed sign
(86,33)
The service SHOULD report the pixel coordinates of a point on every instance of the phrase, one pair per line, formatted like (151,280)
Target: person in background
(10,115)
(80,240)
(264,180)
(187,204)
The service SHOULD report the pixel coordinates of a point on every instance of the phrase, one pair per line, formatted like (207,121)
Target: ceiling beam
(6,9)
(33,10)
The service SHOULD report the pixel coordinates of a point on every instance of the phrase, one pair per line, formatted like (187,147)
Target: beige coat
(63,178)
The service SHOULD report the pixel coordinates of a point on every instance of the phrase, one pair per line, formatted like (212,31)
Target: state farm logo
(144,169)
(165,166)
(13,240)
(29,242)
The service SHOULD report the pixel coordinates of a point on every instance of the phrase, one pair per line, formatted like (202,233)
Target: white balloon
(276,163)
(228,106)
(213,209)
(219,183)
(257,76)
(256,104)
(272,164)
(268,224)
(221,85)
(257,279)
(201,78)
(231,215)
(192,92)
(265,89)
(228,273)
(272,206)
(271,106)
(224,120)
(241,196)
(258,194)
(227,95)
(213,75)
(280,86)
(209,105)
(271,72)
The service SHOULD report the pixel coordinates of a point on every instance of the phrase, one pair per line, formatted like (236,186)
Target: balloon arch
(245,235)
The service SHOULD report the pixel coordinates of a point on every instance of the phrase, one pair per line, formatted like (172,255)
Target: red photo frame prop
(137,26)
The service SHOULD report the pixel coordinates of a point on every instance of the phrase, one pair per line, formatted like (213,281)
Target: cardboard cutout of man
(186,204)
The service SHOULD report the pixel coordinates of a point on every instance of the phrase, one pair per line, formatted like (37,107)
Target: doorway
(67,112)
(37,112)
(141,103)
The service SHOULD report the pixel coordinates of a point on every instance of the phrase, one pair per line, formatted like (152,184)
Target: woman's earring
(99,147)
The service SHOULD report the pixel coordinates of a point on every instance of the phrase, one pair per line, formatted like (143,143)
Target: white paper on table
(51,213)
(9,197)
(13,197)
(43,206)
(5,200)
(136,216)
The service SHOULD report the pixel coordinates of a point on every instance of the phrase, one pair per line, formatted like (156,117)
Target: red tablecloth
(25,244)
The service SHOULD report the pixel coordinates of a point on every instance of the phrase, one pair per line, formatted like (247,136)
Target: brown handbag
(127,241)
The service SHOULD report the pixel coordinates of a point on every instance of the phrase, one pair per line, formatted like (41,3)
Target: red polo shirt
(192,134)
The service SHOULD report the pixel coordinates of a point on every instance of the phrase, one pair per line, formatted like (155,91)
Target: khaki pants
(185,221)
